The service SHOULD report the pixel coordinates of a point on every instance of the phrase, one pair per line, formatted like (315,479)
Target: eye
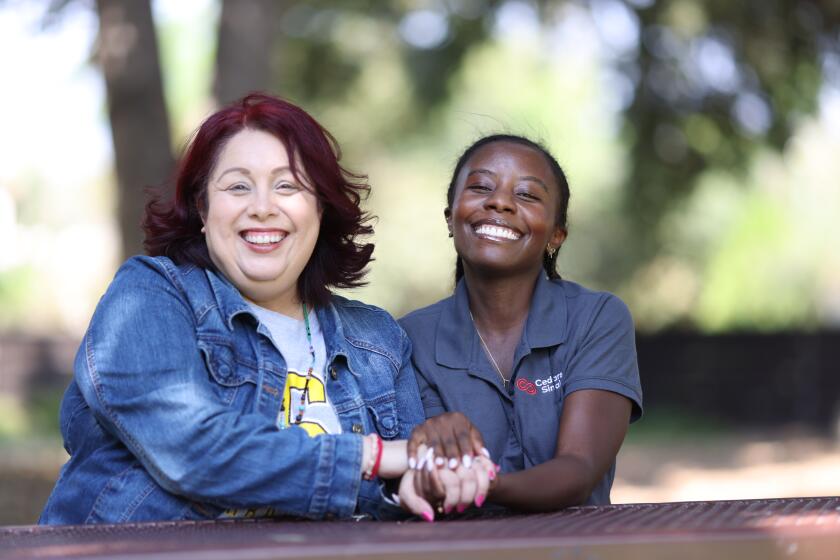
(285,187)
(238,188)
(527,195)
(478,188)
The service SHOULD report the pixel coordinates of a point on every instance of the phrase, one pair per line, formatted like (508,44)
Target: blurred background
(701,140)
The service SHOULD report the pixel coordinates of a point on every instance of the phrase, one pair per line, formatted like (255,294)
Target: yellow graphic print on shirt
(295,385)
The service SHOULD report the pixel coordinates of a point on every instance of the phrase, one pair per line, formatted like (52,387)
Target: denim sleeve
(606,356)
(143,376)
(410,414)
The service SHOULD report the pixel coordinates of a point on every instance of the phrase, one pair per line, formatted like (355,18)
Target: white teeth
(264,238)
(497,231)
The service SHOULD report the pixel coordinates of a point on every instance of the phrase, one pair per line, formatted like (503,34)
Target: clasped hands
(449,467)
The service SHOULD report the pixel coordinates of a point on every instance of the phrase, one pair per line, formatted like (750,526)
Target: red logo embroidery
(527,386)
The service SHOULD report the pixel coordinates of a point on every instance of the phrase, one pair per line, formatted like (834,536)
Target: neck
(289,305)
(499,304)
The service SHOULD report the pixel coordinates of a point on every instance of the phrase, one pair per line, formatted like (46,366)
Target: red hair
(173,225)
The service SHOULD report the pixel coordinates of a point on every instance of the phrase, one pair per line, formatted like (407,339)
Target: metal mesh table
(802,528)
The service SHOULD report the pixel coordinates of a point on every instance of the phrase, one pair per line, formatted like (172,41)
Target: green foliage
(665,131)
(15,295)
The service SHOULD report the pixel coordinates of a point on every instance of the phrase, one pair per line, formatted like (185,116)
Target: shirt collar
(545,327)
(546,324)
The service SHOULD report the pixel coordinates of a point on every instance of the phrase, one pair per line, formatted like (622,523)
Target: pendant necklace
(488,352)
(305,393)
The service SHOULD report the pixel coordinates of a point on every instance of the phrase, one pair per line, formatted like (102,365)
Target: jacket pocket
(383,412)
(226,372)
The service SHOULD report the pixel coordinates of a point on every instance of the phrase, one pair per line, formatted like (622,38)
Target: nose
(262,204)
(501,199)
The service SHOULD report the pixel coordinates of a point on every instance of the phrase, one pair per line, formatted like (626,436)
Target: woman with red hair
(219,376)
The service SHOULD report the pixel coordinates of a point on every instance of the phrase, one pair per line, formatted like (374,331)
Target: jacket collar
(231,304)
(456,342)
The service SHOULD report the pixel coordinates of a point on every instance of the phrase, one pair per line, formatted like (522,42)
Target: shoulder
(424,320)
(143,279)
(141,269)
(584,303)
(359,319)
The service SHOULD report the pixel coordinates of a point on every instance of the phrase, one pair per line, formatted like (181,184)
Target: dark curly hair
(549,262)
(173,224)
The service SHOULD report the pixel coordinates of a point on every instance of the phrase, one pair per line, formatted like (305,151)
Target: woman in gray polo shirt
(543,367)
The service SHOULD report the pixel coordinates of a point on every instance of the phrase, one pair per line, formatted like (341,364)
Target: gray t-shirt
(289,336)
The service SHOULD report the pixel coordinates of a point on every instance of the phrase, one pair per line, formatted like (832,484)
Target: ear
(202,212)
(447,215)
(557,237)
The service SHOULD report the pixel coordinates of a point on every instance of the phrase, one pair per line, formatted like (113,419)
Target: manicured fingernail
(466,460)
(428,516)
(453,464)
(430,466)
(479,500)
(485,452)
(412,463)
(461,508)
(491,474)
(439,461)
(447,509)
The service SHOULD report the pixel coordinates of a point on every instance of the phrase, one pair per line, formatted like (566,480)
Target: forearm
(393,461)
(560,482)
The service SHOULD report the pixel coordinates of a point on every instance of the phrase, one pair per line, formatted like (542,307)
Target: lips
(496,230)
(263,237)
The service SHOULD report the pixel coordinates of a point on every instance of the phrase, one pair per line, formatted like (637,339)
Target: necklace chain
(305,393)
(489,353)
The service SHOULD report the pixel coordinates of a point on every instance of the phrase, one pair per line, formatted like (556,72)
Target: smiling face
(261,223)
(504,211)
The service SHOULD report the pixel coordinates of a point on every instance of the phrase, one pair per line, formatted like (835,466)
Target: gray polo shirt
(574,339)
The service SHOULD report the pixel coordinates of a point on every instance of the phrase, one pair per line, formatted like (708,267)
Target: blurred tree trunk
(247,31)
(128,54)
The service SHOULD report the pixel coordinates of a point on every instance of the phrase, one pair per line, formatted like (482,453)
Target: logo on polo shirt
(526,386)
(545,384)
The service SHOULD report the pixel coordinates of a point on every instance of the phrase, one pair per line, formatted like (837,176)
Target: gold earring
(550,250)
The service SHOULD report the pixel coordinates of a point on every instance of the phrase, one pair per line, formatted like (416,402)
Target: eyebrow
(531,178)
(245,171)
(535,180)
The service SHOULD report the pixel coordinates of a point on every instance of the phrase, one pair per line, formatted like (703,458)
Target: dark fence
(746,378)
(750,379)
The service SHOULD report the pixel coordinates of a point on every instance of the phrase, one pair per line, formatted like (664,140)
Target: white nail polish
(430,459)
(485,452)
(453,464)
(412,463)
(439,461)
(466,460)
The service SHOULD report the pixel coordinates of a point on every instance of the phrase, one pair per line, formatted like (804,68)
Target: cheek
(307,216)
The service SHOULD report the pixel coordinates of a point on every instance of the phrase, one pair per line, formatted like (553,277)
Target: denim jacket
(171,412)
